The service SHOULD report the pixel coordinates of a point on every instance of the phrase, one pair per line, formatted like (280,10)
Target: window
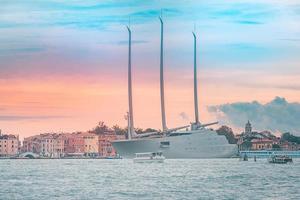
(164,144)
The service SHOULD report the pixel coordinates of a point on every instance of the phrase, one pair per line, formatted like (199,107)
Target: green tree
(147,130)
(290,138)
(276,147)
(118,130)
(246,145)
(227,131)
(139,130)
(101,128)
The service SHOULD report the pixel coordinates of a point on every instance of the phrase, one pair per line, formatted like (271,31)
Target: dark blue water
(123,179)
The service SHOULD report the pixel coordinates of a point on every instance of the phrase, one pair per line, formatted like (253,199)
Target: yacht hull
(188,144)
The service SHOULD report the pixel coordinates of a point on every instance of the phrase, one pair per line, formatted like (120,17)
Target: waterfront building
(47,145)
(32,144)
(9,145)
(54,145)
(289,146)
(91,144)
(262,144)
(60,142)
(105,147)
(50,145)
(74,144)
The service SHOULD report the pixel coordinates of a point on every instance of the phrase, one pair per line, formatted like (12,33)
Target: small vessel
(280,159)
(149,157)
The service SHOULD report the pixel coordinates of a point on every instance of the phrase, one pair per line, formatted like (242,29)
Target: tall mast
(162,92)
(195,81)
(130,113)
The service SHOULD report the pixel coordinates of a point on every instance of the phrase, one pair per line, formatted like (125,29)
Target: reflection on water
(123,179)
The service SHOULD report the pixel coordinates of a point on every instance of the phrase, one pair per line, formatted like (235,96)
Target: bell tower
(248,128)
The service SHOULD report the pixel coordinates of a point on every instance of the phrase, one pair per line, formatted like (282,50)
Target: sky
(63,64)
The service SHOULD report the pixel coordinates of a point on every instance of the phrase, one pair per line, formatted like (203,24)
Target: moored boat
(280,159)
(149,157)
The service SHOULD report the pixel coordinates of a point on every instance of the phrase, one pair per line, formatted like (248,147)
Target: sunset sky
(63,64)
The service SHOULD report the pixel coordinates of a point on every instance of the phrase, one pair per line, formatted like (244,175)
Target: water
(123,179)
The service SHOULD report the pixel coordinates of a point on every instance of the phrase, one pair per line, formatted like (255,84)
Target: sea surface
(123,179)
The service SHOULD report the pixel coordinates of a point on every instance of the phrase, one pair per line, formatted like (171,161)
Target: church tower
(248,128)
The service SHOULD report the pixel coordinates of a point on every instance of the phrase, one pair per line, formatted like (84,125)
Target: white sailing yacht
(195,142)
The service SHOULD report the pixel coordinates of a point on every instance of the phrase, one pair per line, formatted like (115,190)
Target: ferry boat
(280,159)
(149,157)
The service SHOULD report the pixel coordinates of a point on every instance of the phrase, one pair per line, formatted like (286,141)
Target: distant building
(254,140)
(105,147)
(60,142)
(248,128)
(74,144)
(9,145)
(32,144)
(262,144)
(47,145)
(53,145)
(50,145)
(289,146)
(91,143)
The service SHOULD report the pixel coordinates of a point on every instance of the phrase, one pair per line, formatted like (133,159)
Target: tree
(101,128)
(118,130)
(276,147)
(227,131)
(290,138)
(246,145)
(139,130)
(147,130)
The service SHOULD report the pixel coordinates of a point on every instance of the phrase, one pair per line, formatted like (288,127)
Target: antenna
(130,113)
(162,92)
(195,80)
(129,22)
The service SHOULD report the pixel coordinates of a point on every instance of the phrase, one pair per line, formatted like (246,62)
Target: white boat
(149,157)
(197,142)
(280,159)
(203,143)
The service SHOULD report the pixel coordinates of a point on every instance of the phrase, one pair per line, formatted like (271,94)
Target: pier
(268,153)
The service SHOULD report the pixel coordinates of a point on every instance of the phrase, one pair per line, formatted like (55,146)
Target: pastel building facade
(9,145)
(50,145)
(105,147)
(60,142)
(53,145)
(91,144)
(262,144)
(74,144)
(47,146)
(32,144)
